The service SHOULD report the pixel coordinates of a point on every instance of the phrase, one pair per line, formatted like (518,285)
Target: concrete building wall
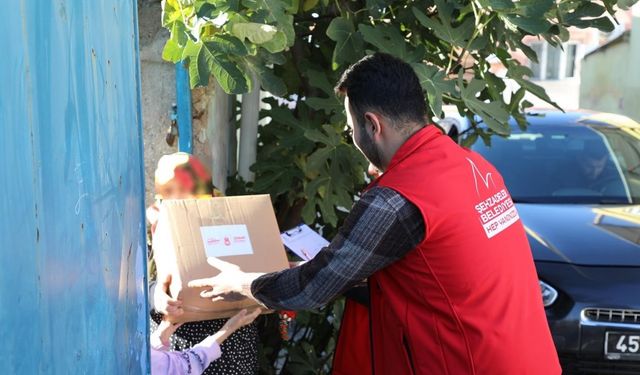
(604,75)
(632,87)
(159,93)
(158,89)
(202,100)
(562,89)
(609,79)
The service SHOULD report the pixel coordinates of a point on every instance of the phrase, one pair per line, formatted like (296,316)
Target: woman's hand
(162,335)
(153,212)
(163,303)
(236,322)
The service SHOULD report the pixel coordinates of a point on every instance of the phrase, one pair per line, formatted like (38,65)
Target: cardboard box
(241,230)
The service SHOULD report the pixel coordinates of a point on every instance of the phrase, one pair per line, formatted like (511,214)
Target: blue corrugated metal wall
(72,276)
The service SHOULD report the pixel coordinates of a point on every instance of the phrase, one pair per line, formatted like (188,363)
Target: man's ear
(373,123)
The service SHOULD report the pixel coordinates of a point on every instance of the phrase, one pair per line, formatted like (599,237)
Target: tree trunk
(249,130)
(218,129)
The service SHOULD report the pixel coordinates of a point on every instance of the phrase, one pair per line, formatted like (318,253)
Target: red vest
(466,300)
(353,349)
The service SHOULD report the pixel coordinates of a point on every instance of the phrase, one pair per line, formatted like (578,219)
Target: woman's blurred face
(174,190)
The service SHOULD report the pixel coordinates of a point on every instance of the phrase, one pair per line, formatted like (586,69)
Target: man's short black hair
(384,84)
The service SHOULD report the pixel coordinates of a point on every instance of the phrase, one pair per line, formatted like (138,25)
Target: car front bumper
(580,337)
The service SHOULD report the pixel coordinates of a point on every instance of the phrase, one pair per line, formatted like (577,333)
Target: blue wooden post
(72,248)
(183,95)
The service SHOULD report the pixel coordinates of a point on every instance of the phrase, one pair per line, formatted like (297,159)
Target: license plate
(622,345)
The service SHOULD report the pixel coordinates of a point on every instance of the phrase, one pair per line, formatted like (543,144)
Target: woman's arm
(192,361)
(197,359)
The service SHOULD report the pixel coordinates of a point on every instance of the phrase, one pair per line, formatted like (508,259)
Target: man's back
(466,300)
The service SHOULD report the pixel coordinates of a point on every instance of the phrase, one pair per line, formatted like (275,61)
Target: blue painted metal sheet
(72,249)
(183,95)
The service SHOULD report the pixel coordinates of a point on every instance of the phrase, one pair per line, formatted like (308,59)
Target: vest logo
(496,211)
(485,178)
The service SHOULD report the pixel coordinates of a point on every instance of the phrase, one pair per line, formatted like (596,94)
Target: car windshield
(568,164)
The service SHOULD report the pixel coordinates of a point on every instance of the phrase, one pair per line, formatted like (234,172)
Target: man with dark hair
(595,168)
(387,84)
(453,288)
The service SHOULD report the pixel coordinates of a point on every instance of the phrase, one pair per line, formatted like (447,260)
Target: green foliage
(349,42)
(225,38)
(297,50)
(310,347)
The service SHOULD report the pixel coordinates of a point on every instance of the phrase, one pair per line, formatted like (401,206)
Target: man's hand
(298,263)
(373,171)
(163,303)
(231,284)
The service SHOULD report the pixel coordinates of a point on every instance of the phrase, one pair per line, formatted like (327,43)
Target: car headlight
(549,294)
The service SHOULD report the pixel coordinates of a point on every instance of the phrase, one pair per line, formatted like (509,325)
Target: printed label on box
(226,240)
